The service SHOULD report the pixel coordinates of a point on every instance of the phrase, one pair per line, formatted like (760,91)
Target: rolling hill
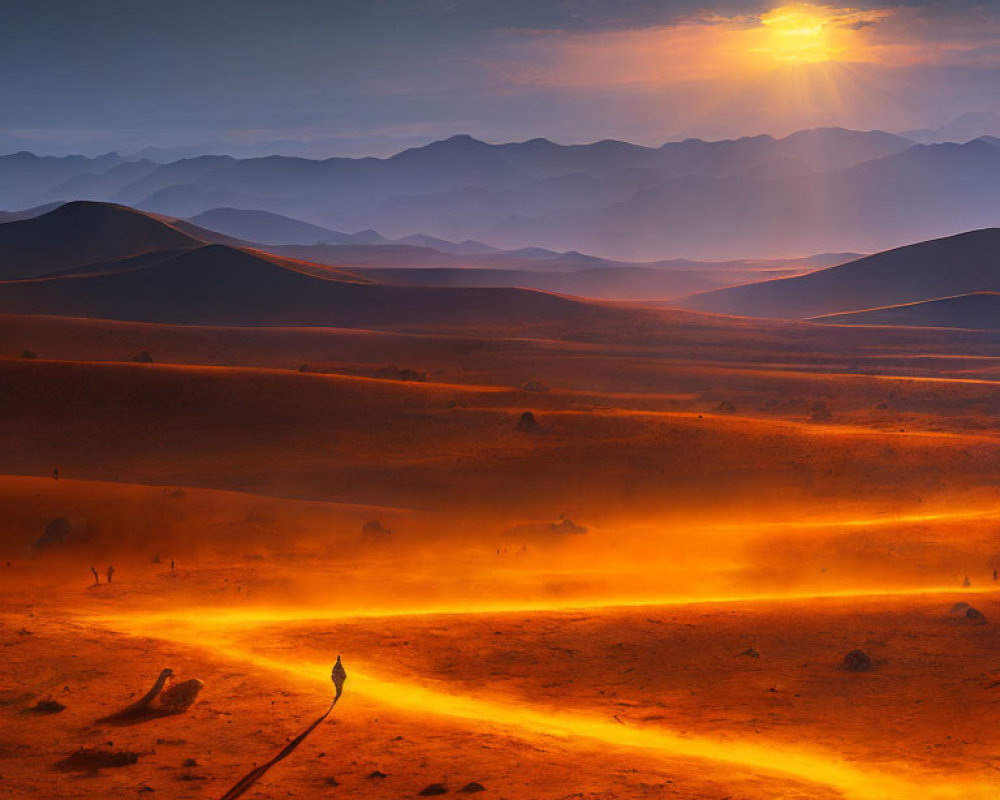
(976,310)
(940,268)
(79,233)
(116,263)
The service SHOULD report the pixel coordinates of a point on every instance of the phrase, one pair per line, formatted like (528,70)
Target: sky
(370,77)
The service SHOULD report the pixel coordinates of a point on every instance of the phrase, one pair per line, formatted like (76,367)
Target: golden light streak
(803,764)
(209,618)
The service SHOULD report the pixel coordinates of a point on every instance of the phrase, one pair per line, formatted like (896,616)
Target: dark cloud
(324,74)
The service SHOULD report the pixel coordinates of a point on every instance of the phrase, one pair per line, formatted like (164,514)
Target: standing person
(173,572)
(111,572)
(97,577)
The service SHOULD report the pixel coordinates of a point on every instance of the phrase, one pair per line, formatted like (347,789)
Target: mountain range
(814,191)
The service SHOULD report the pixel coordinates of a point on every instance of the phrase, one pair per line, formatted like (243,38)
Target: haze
(538,400)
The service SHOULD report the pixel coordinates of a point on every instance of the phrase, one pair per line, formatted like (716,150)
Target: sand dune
(75,234)
(975,310)
(968,262)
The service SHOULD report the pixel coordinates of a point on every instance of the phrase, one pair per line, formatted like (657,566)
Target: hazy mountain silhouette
(25,176)
(265,227)
(955,265)
(968,126)
(509,195)
(924,190)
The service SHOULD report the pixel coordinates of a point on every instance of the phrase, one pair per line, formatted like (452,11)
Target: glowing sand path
(215,617)
(802,764)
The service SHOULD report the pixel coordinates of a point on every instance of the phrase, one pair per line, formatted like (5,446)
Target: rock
(566,525)
(534,386)
(375,528)
(857,661)
(975,614)
(47,707)
(57,532)
(750,652)
(527,423)
(726,407)
(472,787)
(190,762)
(181,696)
(29,354)
(959,608)
(90,760)
(376,775)
(433,789)
(143,358)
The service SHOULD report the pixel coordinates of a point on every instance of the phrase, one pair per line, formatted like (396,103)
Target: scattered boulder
(47,707)
(975,615)
(433,789)
(189,762)
(858,661)
(90,760)
(546,530)
(527,423)
(472,787)
(726,407)
(376,775)
(181,696)
(28,354)
(750,652)
(534,386)
(58,532)
(959,608)
(375,529)
(567,526)
(145,357)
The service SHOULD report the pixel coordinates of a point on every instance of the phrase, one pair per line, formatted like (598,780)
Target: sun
(802,33)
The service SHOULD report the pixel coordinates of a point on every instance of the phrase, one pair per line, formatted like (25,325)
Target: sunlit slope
(968,262)
(398,443)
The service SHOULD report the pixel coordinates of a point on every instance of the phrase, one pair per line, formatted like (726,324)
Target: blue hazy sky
(348,77)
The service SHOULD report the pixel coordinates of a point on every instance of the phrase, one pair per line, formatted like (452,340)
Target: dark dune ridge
(117,263)
(955,265)
(975,310)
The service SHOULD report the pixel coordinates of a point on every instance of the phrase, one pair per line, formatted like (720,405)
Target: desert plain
(647,587)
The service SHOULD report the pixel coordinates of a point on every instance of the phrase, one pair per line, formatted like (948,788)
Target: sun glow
(808,34)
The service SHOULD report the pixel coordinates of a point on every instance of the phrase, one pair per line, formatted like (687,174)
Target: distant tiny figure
(97,577)
(966,583)
(994,573)
(55,473)
(111,572)
(173,571)
(338,676)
